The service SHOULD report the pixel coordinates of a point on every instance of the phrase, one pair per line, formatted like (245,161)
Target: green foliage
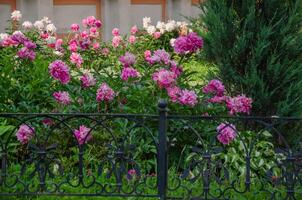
(257,47)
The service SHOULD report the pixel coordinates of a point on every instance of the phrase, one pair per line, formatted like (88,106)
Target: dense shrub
(257,47)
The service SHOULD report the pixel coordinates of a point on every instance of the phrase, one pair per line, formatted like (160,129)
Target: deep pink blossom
(129,72)
(127,60)
(188,97)
(83,134)
(176,70)
(62,97)
(188,44)
(160,55)
(75,27)
(132,172)
(98,23)
(25,133)
(77,59)
(105,93)
(59,71)
(173,93)
(164,78)
(73,47)
(25,53)
(239,104)
(218,99)
(214,87)
(226,133)
(87,80)
(96,45)
(91,20)
(133,30)
(147,54)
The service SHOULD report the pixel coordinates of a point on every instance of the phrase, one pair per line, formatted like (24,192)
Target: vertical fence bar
(162,166)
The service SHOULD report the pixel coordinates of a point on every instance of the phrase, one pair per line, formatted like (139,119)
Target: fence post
(162,166)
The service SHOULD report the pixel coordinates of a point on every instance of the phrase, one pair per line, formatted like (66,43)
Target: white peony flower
(16,15)
(172,41)
(171,25)
(58,53)
(151,30)
(3,36)
(39,25)
(17,32)
(45,20)
(27,25)
(146,22)
(51,28)
(161,26)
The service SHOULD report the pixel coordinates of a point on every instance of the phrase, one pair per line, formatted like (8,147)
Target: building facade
(113,13)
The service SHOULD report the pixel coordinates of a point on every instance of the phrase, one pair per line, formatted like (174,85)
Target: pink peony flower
(218,99)
(105,93)
(59,71)
(25,53)
(91,20)
(132,39)
(77,59)
(132,172)
(73,47)
(83,134)
(62,97)
(173,93)
(116,41)
(133,30)
(96,45)
(129,72)
(147,54)
(156,35)
(188,44)
(226,133)
(98,23)
(127,60)
(105,51)
(239,104)
(115,32)
(84,35)
(214,87)
(188,97)
(25,133)
(88,80)
(164,78)
(74,27)
(84,22)
(176,70)
(58,44)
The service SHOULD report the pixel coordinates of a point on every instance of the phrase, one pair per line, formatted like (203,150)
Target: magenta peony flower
(239,104)
(25,133)
(214,87)
(164,78)
(133,30)
(88,80)
(25,53)
(105,93)
(76,58)
(226,133)
(173,93)
(176,70)
(188,44)
(127,60)
(129,72)
(62,97)
(59,71)
(188,97)
(30,45)
(218,99)
(83,134)
(75,27)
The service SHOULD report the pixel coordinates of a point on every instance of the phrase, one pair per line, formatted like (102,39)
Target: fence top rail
(170,116)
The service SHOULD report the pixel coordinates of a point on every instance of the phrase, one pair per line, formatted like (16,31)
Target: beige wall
(114,13)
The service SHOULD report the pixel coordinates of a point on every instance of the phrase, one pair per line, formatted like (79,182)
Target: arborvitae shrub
(257,46)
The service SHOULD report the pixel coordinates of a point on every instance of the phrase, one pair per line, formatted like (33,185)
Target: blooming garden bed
(136,152)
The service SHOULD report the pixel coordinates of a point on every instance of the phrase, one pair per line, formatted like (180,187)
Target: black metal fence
(150,156)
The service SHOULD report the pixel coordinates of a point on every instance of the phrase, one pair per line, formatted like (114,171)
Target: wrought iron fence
(150,156)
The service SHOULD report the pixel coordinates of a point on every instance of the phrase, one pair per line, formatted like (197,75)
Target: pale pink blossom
(105,93)
(25,133)
(156,35)
(83,134)
(116,41)
(62,97)
(133,30)
(132,39)
(226,133)
(77,59)
(16,15)
(96,45)
(115,32)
